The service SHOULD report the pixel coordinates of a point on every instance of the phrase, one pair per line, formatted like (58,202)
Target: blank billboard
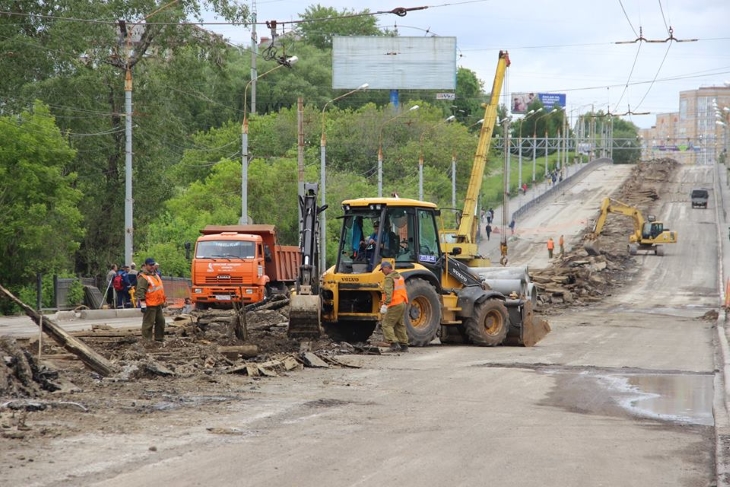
(389,63)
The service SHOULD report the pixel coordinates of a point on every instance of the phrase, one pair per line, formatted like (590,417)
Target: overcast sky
(564,47)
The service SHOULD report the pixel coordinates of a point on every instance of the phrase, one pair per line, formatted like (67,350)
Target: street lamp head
(450,118)
(480,121)
(721,123)
(414,107)
(288,62)
(363,86)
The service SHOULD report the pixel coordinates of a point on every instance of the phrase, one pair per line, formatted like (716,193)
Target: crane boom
(465,237)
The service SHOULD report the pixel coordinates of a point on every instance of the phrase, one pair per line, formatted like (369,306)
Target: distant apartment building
(696,134)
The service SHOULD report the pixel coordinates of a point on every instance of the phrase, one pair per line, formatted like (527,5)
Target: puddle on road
(667,397)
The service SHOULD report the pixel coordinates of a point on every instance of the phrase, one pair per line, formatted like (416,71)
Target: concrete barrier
(107,314)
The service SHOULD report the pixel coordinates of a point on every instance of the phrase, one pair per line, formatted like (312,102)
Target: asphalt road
(619,394)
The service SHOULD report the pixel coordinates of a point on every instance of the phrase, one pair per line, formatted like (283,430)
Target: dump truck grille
(224,280)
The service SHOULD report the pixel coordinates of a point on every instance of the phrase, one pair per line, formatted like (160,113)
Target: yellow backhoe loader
(649,235)
(448,296)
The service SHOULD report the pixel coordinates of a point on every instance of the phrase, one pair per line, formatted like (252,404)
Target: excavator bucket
(304,316)
(591,246)
(530,331)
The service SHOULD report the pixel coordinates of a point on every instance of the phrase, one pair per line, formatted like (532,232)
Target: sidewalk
(519,207)
(721,386)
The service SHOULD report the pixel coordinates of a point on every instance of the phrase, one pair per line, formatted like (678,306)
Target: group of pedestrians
(490,217)
(128,288)
(121,290)
(555,176)
(551,246)
(121,284)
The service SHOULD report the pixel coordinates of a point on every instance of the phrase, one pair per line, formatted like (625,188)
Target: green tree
(40,225)
(67,57)
(320,24)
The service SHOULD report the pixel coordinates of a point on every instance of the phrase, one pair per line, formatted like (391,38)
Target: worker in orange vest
(394,302)
(151,299)
(561,242)
(550,247)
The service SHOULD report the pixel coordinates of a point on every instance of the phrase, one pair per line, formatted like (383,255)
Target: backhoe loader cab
(402,230)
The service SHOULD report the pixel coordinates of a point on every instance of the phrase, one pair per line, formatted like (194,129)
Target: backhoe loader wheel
(424,312)
(633,249)
(659,250)
(489,325)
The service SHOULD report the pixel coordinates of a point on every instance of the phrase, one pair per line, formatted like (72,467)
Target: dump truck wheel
(350,331)
(424,312)
(489,325)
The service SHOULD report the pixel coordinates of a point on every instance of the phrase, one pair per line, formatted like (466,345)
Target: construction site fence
(177,289)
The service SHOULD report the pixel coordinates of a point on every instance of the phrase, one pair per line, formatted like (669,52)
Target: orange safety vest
(155,294)
(550,244)
(400,295)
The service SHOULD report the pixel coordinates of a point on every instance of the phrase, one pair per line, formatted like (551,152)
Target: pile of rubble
(578,279)
(199,344)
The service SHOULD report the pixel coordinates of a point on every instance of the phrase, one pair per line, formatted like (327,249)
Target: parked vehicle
(699,198)
(242,263)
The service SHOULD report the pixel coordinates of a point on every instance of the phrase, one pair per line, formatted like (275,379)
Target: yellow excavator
(448,297)
(648,236)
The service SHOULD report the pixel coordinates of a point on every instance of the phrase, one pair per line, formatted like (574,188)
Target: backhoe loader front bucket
(531,329)
(304,316)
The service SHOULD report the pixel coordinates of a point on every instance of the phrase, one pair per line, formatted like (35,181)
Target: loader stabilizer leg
(530,329)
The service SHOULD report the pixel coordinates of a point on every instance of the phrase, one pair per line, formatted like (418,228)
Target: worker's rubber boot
(403,347)
(394,347)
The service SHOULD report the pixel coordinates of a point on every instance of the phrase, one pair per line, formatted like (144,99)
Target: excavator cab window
(428,237)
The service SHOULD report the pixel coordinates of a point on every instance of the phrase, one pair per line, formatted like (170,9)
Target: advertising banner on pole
(521,101)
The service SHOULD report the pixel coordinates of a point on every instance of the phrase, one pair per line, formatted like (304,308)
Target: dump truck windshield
(225,249)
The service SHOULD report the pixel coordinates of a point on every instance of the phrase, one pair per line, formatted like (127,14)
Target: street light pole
(244,140)
(531,112)
(534,144)
(380,148)
(323,162)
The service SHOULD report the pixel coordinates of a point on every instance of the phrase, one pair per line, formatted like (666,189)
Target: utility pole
(300,149)
(128,201)
(254,54)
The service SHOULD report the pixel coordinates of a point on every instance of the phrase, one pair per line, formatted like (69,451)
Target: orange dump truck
(240,263)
